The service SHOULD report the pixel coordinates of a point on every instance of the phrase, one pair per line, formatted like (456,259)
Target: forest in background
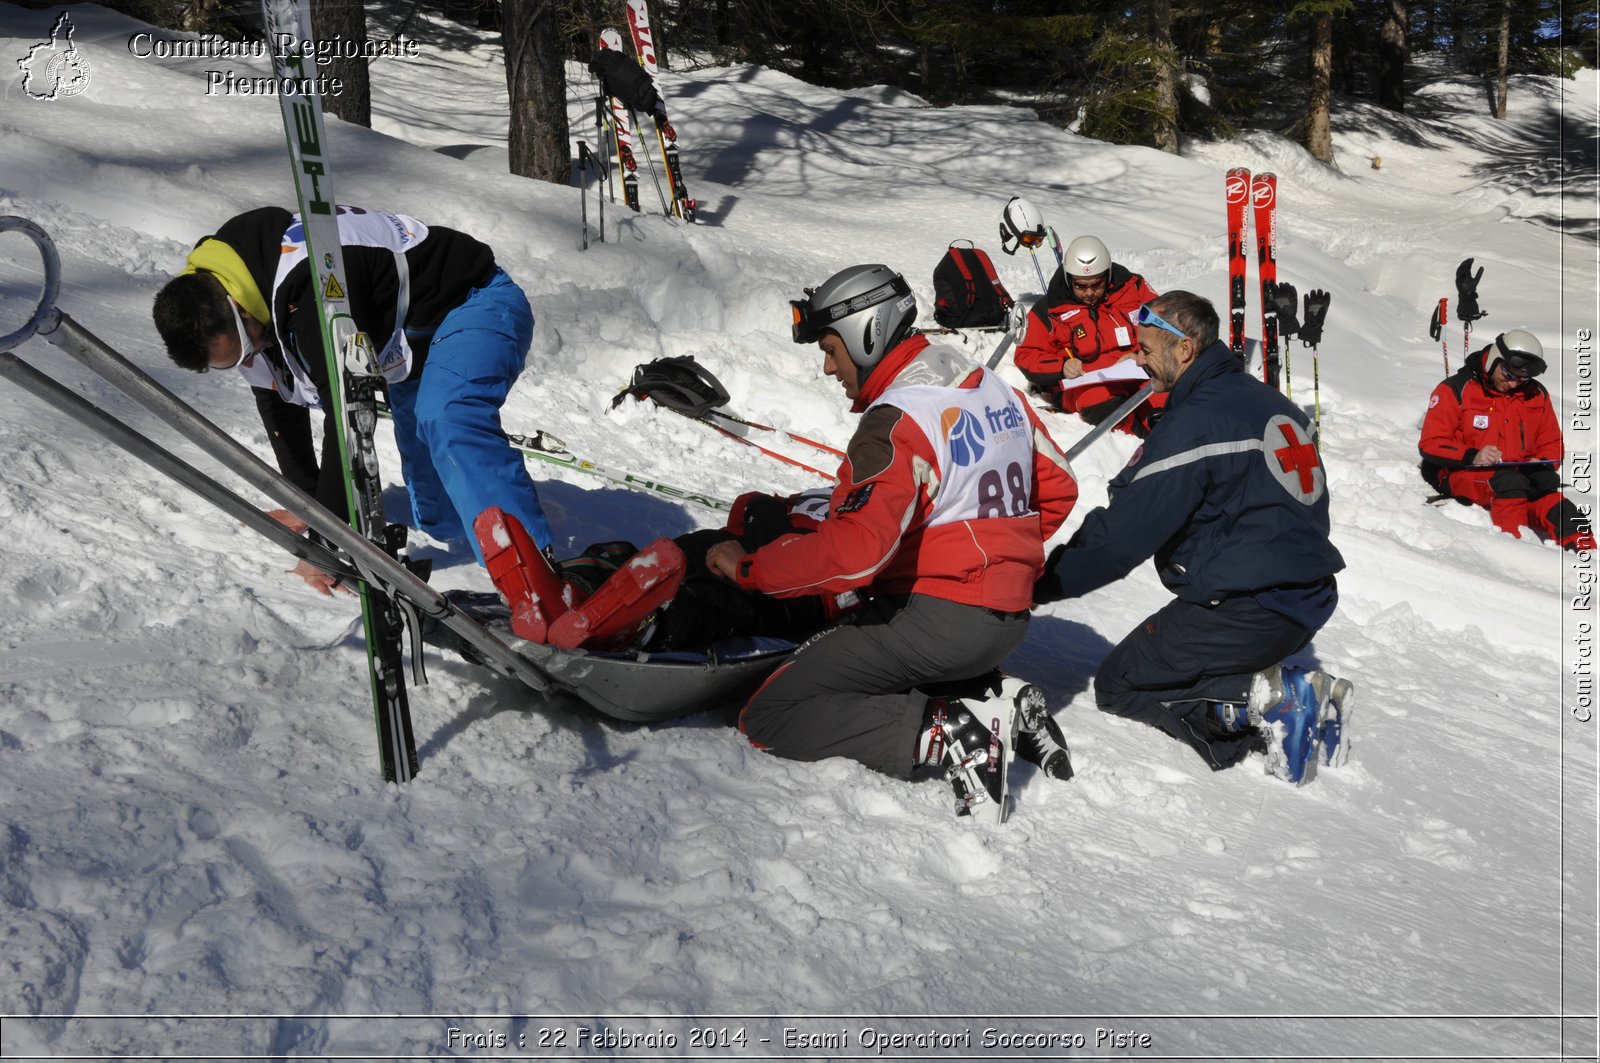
(1148,72)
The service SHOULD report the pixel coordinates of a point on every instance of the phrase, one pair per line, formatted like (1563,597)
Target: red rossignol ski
(1264,196)
(644,47)
(621,139)
(1236,190)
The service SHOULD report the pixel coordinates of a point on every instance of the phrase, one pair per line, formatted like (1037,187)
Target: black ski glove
(1286,301)
(1467,292)
(1316,313)
(1047,588)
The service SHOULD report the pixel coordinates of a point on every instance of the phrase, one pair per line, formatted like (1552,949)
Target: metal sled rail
(52,324)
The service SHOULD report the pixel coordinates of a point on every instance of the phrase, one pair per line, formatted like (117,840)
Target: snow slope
(193,820)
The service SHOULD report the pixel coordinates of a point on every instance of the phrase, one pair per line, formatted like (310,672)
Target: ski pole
(1316,391)
(778,431)
(731,434)
(583,195)
(1033,253)
(1133,403)
(1440,319)
(655,178)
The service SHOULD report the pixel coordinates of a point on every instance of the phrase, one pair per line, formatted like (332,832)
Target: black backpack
(621,76)
(967,291)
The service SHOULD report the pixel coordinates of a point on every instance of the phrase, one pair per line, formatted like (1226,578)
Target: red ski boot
(612,615)
(522,574)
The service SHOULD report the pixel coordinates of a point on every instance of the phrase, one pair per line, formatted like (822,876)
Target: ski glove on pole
(1286,301)
(1467,292)
(1316,313)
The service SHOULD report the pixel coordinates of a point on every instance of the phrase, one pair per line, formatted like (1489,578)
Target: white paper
(1126,369)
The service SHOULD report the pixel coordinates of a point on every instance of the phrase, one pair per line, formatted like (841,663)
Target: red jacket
(1465,414)
(878,532)
(1098,337)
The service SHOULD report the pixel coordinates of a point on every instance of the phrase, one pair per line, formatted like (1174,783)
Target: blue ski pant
(454,454)
(1179,661)
(848,692)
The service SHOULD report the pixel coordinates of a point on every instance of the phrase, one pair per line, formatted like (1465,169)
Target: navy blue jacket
(1228,494)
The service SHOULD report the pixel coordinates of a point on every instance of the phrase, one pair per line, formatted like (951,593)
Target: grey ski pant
(848,692)
(1169,670)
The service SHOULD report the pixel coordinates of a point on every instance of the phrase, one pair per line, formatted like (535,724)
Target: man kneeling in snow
(1229,496)
(949,488)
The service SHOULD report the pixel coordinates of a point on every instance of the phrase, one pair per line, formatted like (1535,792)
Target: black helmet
(870,307)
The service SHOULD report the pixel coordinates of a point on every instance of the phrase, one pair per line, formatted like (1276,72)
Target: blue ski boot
(1288,707)
(1336,697)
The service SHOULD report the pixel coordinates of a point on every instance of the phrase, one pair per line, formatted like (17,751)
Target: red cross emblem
(1298,457)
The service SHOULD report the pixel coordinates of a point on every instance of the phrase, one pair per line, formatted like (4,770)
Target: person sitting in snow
(1491,438)
(1084,323)
(947,492)
(451,334)
(1229,496)
(686,607)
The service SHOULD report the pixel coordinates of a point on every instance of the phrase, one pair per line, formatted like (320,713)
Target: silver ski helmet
(1520,350)
(1021,225)
(871,308)
(1086,257)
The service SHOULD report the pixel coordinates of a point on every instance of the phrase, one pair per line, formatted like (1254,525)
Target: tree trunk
(1165,132)
(1504,58)
(537,80)
(344,25)
(1319,137)
(1392,57)
(1345,38)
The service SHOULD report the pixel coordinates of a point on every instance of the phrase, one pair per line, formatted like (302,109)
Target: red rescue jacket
(878,533)
(1061,324)
(1465,414)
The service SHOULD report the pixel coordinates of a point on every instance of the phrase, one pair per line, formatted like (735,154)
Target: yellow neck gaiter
(217,258)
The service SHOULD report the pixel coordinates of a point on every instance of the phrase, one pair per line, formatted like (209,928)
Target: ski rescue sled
(631,686)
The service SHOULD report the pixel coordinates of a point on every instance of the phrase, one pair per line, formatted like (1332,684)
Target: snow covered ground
(194,824)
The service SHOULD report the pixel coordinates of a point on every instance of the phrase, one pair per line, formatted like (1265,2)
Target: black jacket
(444,268)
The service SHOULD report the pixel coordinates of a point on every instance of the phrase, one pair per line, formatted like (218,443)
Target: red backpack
(967,291)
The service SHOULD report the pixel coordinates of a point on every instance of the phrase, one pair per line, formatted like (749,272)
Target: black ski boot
(973,754)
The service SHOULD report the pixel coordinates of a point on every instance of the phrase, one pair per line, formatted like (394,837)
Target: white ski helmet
(1520,350)
(1021,225)
(1086,257)
(870,307)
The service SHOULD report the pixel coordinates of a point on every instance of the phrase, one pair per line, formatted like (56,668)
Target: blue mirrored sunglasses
(1150,319)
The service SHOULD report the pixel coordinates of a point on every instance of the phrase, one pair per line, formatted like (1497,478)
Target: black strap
(680,384)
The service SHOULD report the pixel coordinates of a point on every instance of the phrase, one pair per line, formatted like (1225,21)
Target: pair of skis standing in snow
(628,88)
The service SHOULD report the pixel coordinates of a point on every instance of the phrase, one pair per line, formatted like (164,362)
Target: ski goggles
(811,322)
(1150,319)
(1519,365)
(246,348)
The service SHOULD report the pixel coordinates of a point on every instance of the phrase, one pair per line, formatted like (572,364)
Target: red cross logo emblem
(1298,457)
(1293,459)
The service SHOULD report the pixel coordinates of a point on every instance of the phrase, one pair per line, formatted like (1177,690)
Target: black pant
(1170,668)
(848,692)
